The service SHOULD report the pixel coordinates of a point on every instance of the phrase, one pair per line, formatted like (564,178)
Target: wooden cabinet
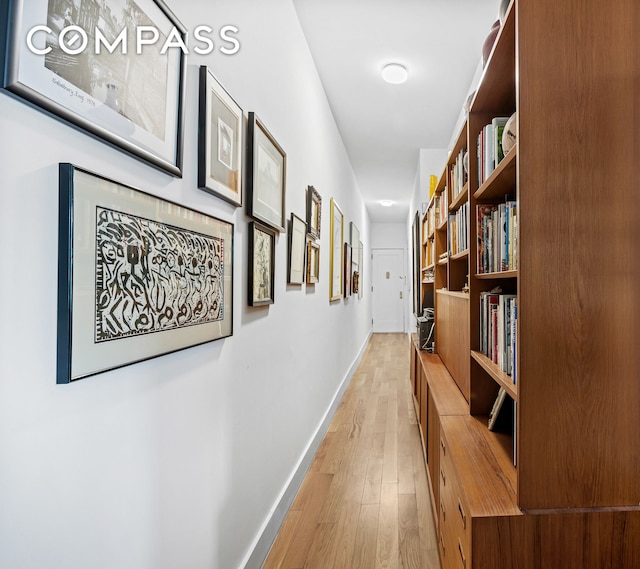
(559,486)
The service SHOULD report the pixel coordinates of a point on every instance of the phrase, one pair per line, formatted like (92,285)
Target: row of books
(441,205)
(498,330)
(459,175)
(497,229)
(457,234)
(490,152)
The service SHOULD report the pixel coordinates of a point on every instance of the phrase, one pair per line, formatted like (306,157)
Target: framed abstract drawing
(336,267)
(313,262)
(297,250)
(220,140)
(262,260)
(63,57)
(360,269)
(266,176)
(138,276)
(314,212)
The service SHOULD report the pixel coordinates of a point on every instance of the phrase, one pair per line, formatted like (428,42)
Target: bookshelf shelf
(501,378)
(453,294)
(495,276)
(459,256)
(502,181)
(443,225)
(460,199)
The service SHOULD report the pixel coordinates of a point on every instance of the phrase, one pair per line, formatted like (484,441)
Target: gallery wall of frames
(140,276)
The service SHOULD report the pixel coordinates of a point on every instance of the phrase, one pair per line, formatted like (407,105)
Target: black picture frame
(134,103)
(266,175)
(220,140)
(138,276)
(314,212)
(417,270)
(262,261)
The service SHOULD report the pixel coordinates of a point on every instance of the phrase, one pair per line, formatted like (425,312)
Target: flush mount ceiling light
(385,203)
(395,73)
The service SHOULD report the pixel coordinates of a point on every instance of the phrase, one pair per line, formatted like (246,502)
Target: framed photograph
(347,270)
(336,252)
(266,175)
(297,240)
(138,276)
(313,262)
(133,101)
(262,261)
(360,269)
(314,212)
(354,235)
(220,140)
(415,261)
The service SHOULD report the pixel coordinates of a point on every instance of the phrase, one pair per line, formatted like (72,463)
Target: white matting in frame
(138,276)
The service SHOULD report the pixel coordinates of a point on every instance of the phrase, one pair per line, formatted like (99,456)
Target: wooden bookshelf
(558,487)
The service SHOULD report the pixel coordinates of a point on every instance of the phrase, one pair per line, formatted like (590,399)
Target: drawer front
(454,518)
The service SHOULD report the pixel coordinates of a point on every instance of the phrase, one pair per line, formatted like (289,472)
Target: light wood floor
(364,504)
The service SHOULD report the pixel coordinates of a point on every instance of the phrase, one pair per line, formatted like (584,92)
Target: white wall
(179,461)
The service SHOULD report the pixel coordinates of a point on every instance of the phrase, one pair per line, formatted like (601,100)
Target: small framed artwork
(360,268)
(347,270)
(354,235)
(132,101)
(266,176)
(314,212)
(336,252)
(138,276)
(220,140)
(313,262)
(297,239)
(262,260)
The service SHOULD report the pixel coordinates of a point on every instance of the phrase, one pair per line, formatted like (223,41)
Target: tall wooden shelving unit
(561,488)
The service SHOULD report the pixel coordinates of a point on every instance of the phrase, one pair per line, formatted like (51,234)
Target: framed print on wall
(336,278)
(133,101)
(266,176)
(262,260)
(220,140)
(138,276)
(313,262)
(314,212)
(297,239)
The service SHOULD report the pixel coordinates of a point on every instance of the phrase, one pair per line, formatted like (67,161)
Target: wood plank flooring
(364,503)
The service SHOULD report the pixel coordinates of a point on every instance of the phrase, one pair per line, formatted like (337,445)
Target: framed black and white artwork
(138,276)
(266,176)
(297,249)
(114,69)
(220,140)
(262,260)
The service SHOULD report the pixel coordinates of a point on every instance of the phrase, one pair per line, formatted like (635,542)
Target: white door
(388,290)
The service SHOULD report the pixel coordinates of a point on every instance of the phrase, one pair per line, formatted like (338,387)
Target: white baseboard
(258,553)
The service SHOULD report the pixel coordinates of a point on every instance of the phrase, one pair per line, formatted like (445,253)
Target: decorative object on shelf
(504,8)
(138,276)
(220,140)
(314,212)
(313,262)
(133,103)
(469,100)
(487,46)
(262,260)
(336,278)
(510,133)
(356,282)
(266,175)
(297,238)
(465,162)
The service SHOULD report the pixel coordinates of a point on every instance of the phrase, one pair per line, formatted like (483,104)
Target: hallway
(364,503)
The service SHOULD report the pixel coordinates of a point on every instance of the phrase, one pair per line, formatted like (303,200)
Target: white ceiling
(385,126)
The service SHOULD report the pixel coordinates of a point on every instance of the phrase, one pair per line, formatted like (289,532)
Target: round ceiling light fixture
(395,73)
(385,203)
